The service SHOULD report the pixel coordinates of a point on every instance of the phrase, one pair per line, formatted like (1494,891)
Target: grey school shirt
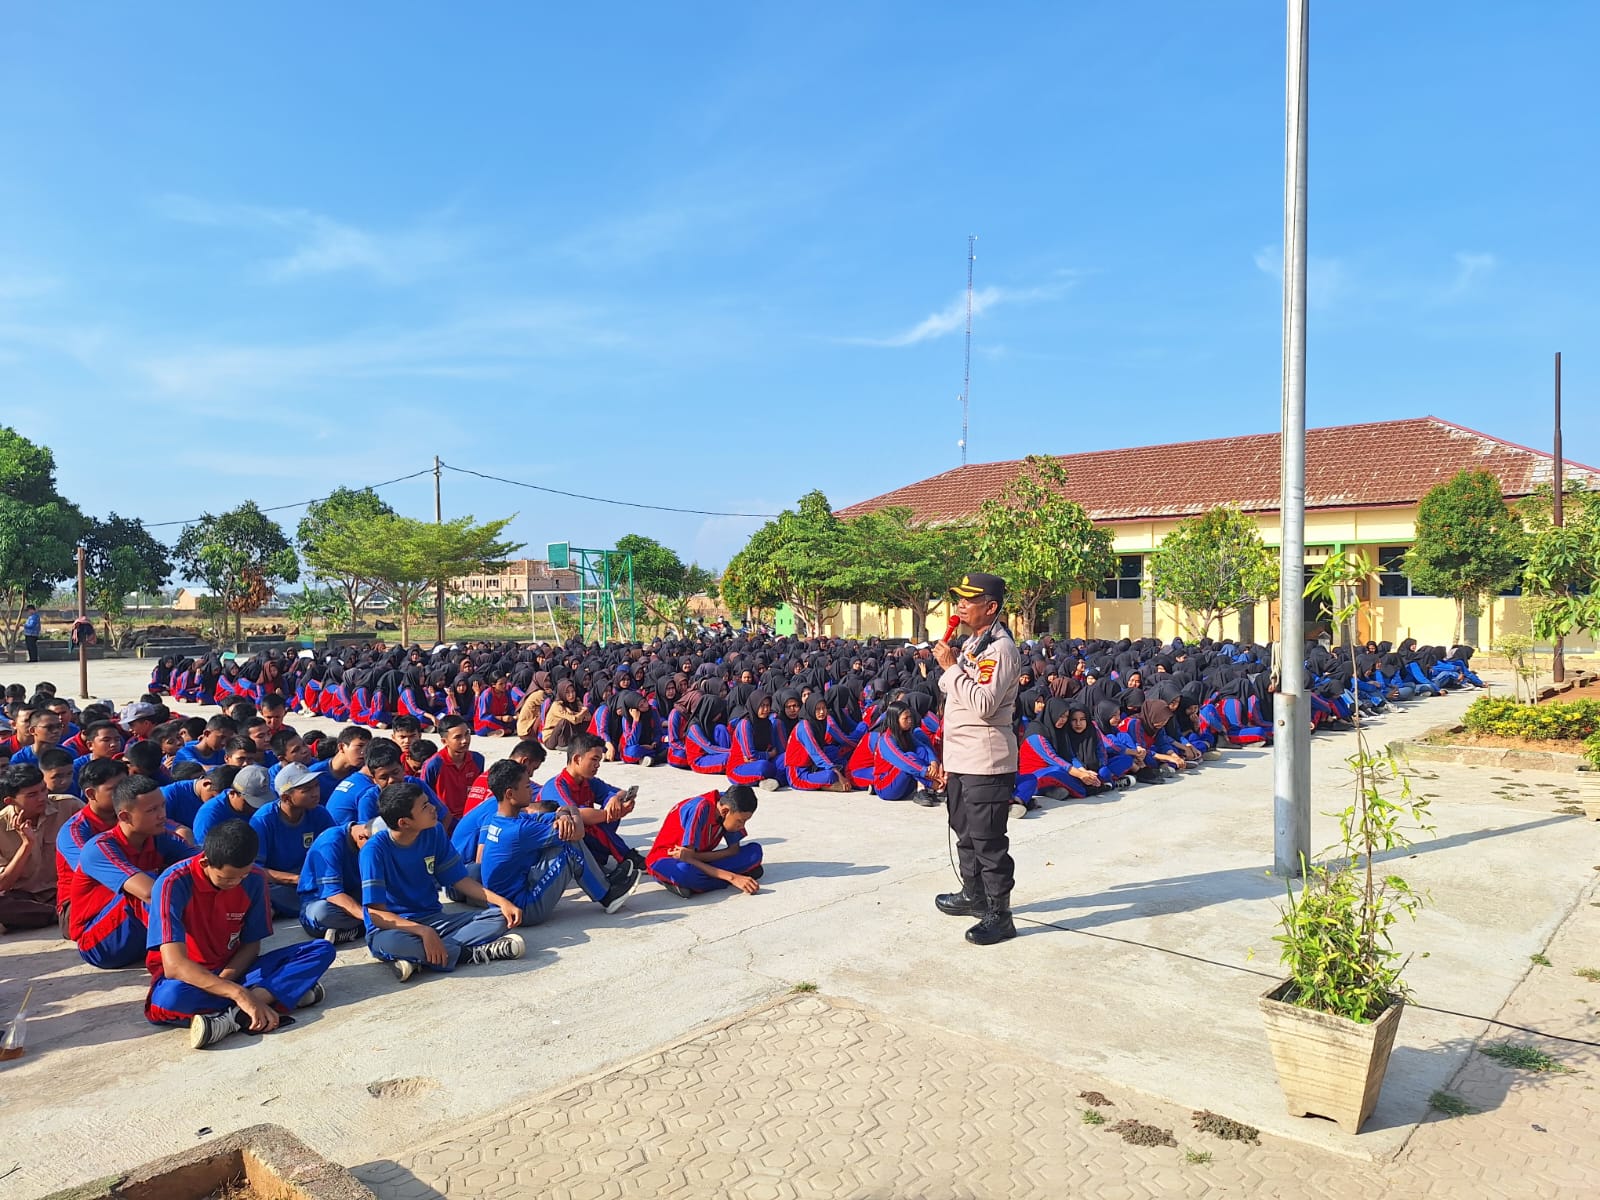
(980,693)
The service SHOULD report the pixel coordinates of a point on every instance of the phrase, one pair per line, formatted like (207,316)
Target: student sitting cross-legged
(330,884)
(688,855)
(208,918)
(531,852)
(116,873)
(403,866)
(595,802)
(286,830)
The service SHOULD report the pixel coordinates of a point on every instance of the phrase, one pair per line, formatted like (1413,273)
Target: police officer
(980,756)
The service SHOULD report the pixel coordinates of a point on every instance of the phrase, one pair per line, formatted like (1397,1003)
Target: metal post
(83,642)
(1291,754)
(633,605)
(1558,661)
(438,519)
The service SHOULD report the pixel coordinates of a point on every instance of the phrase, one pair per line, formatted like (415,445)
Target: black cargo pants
(979,806)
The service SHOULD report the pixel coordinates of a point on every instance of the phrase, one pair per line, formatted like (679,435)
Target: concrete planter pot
(267,1158)
(1328,1066)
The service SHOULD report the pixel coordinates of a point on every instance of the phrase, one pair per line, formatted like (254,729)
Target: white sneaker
(768,785)
(316,995)
(1018,810)
(647,761)
(403,969)
(207,1029)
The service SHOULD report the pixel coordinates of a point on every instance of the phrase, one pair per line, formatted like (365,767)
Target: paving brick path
(811,1097)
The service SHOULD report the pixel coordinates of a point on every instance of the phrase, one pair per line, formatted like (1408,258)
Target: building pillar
(1147,602)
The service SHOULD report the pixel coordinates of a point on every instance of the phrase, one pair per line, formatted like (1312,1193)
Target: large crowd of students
(174,841)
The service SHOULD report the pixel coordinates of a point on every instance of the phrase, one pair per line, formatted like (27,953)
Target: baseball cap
(293,775)
(976,583)
(142,711)
(255,785)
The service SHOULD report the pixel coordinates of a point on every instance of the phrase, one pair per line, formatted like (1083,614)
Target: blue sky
(712,256)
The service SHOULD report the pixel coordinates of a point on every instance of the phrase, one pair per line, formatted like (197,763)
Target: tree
(1467,542)
(39,531)
(344,508)
(1040,542)
(1211,566)
(408,558)
(240,555)
(120,557)
(805,557)
(908,565)
(662,584)
(1562,576)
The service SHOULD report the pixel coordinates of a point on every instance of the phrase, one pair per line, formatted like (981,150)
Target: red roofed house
(1363,485)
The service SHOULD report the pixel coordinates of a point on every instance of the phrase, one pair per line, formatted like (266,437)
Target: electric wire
(299,503)
(699,512)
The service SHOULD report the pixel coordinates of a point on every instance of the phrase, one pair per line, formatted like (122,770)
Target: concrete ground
(1147,916)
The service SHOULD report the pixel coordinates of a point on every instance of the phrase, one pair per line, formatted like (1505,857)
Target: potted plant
(1331,1025)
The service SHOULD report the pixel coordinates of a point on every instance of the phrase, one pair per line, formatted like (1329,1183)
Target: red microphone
(950,629)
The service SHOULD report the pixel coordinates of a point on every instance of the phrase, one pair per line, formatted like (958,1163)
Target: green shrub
(1564,720)
(1591,750)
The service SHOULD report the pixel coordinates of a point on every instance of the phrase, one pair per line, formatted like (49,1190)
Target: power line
(298,503)
(699,512)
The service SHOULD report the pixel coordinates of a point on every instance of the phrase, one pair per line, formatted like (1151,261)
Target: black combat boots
(996,925)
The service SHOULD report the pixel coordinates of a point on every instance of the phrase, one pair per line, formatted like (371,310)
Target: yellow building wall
(1359,532)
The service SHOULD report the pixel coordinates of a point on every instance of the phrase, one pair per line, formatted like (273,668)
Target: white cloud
(493,344)
(1327,279)
(320,245)
(1471,268)
(953,316)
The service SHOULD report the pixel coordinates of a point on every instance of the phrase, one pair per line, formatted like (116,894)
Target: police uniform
(980,758)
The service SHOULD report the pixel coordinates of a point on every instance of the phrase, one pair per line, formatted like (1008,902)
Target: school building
(516,585)
(1363,486)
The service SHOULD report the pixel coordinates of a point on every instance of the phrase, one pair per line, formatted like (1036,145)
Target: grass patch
(1450,1104)
(1197,1158)
(1093,1116)
(803,987)
(1589,973)
(1538,960)
(1523,1058)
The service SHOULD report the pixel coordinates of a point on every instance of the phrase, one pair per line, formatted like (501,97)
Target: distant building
(1363,485)
(512,586)
(188,599)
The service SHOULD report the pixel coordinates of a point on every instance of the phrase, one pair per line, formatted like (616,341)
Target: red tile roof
(1347,466)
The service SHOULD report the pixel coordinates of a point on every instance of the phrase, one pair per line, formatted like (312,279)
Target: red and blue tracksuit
(74,836)
(746,764)
(494,712)
(641,739)
(1155,741)
(812,764)
(696,825)
(409,706)
(859,765)
(677,736)
(1243,721)
(896,773)
(707,755)
(108,923)
(308,697)
(334,702)
(212,924)
(1040,766)
(604,839)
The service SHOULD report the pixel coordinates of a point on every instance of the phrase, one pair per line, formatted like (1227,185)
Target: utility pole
(83,641)
(966,371)
(1558,660)
(1291,745)
(438,519)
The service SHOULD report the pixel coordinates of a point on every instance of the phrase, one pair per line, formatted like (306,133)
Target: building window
(1392,578)
(1126,583)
